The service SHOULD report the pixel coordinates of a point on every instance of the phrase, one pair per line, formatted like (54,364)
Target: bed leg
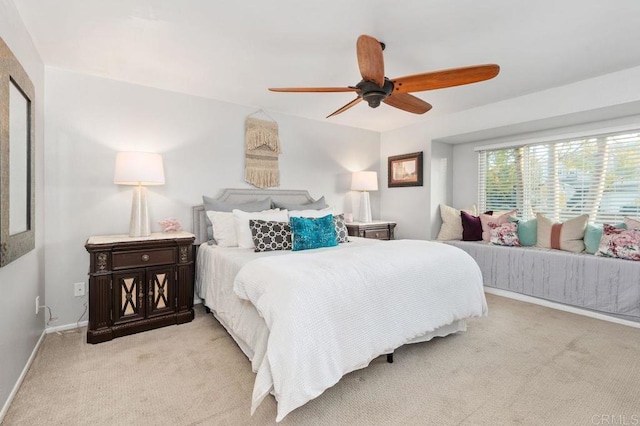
(207,310)
(390,358)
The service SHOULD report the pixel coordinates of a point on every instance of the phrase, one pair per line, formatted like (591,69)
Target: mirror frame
(14,246)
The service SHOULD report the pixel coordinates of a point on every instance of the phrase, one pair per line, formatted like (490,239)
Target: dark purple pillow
(471,226)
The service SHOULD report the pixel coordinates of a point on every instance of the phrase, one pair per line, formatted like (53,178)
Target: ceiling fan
(375,87)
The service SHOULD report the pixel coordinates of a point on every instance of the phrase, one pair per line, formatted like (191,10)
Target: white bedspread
(216,270)
(332,312)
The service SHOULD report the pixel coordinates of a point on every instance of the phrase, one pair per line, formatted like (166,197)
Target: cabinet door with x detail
(160,290)
(129,296)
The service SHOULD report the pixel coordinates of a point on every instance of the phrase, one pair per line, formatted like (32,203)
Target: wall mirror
(17,160)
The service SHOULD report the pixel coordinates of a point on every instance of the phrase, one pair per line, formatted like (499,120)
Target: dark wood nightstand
(137,284)
(378,229)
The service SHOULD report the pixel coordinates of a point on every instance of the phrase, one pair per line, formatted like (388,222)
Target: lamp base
(364,215)
(139,226)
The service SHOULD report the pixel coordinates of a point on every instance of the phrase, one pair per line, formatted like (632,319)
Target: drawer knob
(377,235)
(145,257)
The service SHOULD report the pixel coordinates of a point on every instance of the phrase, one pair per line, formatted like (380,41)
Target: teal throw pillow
(527,231)
(593,235)
(310,233)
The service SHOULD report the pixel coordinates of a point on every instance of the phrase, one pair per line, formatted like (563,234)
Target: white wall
(441,172)
(89,119)
(412,207)
(605,97)
(408,206)
(22,280)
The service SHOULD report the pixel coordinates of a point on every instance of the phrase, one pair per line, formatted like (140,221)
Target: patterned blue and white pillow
(342,233)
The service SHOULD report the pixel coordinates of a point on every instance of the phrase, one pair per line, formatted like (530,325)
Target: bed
(304,319)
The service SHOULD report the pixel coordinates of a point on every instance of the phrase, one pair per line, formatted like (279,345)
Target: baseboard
(559,306)
(66,327)
(14,391)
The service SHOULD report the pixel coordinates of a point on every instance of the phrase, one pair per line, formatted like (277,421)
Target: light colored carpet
(524,364)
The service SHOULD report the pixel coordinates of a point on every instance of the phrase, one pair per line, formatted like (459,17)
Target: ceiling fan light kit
(372,93)
(375,87)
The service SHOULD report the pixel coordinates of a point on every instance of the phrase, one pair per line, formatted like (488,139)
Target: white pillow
(451,228)
(224,228)
(243,232)
(311,213)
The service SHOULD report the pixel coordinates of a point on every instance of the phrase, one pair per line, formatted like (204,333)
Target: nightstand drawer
(380,234)
(137,258)
(379,230)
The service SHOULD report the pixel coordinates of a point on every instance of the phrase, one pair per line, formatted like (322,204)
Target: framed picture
(405,170)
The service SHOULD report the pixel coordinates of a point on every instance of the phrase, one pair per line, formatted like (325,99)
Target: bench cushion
(601,284)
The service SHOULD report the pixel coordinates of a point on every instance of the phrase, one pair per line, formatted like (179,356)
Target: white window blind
(597,175)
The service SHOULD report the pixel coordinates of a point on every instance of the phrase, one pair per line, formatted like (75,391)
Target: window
(597,175)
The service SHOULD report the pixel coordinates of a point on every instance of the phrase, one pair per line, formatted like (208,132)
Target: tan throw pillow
(451,228)
(567,236)
(486,219)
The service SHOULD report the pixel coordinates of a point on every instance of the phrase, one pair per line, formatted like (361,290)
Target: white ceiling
(233,50)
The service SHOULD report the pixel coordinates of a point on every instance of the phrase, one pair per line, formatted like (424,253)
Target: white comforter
(332,312)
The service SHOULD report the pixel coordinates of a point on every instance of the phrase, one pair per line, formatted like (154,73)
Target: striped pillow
(567,236)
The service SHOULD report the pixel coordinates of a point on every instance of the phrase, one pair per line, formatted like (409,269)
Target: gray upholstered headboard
(231,195)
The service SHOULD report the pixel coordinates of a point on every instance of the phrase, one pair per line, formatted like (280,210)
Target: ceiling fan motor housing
(373,93)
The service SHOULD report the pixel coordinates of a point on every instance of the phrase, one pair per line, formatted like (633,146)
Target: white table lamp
(364,181)
(139,168)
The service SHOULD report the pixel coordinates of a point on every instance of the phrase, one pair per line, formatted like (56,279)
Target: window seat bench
(600,284)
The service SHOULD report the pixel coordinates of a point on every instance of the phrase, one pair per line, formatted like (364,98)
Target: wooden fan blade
(313,89)
(444,78)
(370,59)
(354,102)
(407,102)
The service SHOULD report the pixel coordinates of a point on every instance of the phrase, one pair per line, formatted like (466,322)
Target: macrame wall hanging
(262,147)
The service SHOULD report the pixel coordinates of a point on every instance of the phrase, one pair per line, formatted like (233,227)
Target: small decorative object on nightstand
(378,229)
(170,225)
(139,283)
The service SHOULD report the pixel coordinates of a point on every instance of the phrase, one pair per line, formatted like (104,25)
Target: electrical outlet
(37,304)
(78,289)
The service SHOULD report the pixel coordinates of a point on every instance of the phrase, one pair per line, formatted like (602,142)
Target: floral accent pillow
(505,234)
(620,243)
(486,219)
